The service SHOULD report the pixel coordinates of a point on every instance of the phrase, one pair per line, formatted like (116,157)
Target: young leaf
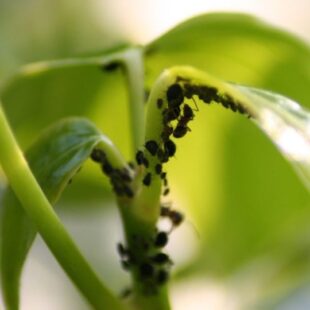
(54,158)
(238,48)
(256,185)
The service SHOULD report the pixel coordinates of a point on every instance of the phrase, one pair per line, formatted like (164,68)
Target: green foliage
(243,196)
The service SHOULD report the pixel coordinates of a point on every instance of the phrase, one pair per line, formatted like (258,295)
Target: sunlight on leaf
(287,124)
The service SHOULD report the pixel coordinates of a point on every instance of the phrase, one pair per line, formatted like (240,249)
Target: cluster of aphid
(144,257)
(176,117)
(120,178)
(151,265)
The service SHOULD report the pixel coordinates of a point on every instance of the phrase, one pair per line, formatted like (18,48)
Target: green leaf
(238,48)
(243,196)
(54,158)
(287,125)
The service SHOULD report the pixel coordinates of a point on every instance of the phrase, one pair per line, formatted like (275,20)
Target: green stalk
(48,224)
(134,67)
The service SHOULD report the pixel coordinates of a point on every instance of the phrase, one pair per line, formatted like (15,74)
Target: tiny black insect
(161,239)
(118,188)
(98,156)
(188,112)
(140,158)
(189,90)
(170,147)
(163,175)
(131,164)
(180,131)
(128,191)
(167,131)
(176,217)
(160,103)
(122,251)
(162,277)
(160,258)
(162,155)
(208,94)
(107,168)
(170,114)
(175,95)
(145,162)
(112,66)
(147,179)
(146,270)
(151,146)
(158,168)
(166,192)
(125,175)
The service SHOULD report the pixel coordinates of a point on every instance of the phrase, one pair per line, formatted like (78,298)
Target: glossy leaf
(54,159)
(250,197)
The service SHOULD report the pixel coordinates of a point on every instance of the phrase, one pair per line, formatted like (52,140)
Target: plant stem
(138,229)
(48,224)
(134,66)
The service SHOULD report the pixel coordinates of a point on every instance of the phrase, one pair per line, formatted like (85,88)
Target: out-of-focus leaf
(54,159)
(55,29)
(73,87)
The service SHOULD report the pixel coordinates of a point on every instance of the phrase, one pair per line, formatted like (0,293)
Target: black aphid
(207,94)
(163,175)
(107,168)
(161,239)
(128,191)
(145,162)
(122,251)
(151,146)
(170,114)
(146,270)
(112,66)
(162,277)
(160,103)
(175,95)
(188,112)
(160,258)
(147,179)
(98,156)
(125,175)
(131,164)
(176,217)
(166,192)
(170,147)
(167,131)
(180,131)
(164,211)
(158,168)
(140,158)
(162,155)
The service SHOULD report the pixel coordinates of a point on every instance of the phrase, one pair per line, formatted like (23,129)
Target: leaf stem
(48,224)
(134,67)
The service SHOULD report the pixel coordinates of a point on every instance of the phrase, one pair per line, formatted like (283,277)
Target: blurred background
(245,243)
